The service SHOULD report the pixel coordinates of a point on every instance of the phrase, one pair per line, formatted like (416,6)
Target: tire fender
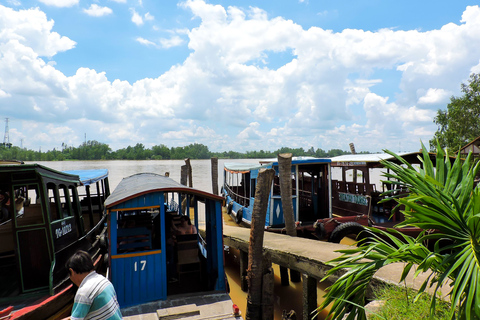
(344,229)
(239,216)
(319,230)
(229,208)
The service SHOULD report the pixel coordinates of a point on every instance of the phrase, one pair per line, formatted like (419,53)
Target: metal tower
(6,138)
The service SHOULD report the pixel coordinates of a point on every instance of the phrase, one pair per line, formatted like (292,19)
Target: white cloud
(3,94)
(174,41)
(119,1)
(97,11)
(325,94)
(60,3)
(136,18)
(149,17)
(30,30)
(145,42)
(434,96)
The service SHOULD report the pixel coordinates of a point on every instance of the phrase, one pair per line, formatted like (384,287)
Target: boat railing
(305,198)
(237,197)
(353,187)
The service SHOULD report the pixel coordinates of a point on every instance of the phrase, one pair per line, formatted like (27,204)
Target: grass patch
(399,304)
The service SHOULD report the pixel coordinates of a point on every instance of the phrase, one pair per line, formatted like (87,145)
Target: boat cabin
(357,186)
(310,191)
(150,258)
(42,224)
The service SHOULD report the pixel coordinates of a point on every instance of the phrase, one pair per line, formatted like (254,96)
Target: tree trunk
(215,175)
(285,175)
(284,168)
(255,250)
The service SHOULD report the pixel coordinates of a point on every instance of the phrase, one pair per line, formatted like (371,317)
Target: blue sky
(233,75)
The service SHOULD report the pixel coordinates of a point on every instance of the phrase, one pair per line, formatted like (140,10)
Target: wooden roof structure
(473,146)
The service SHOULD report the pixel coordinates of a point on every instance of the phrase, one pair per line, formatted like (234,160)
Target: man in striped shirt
(95,298)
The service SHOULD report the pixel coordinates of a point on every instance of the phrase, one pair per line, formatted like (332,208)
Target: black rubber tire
(319,230)
(229,208)
(344,229)
(238,217)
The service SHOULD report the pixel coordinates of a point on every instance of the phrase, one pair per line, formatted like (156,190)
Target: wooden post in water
(183,181)
(215,175)
(183,174)
(309,296)
(189,167)
(285,176)
(255,250)
(243,270)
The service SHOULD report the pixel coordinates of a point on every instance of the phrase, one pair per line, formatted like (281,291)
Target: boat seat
(132,239)
(188,260)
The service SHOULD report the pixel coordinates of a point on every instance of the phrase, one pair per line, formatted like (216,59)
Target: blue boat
(146,265)
(43,223)
(311,192)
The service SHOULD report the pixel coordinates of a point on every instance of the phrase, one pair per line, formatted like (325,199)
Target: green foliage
(399,303)
(94,150)
(458,125)
(444,198)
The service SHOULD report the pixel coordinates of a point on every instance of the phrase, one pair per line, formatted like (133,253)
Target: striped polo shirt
(95,299)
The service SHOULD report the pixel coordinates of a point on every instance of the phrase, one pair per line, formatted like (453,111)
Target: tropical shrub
(444,198)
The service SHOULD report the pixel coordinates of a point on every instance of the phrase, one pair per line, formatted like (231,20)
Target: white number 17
(143,264)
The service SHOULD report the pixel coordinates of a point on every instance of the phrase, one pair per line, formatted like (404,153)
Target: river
(286,298)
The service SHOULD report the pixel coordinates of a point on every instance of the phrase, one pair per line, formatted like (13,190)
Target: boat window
(53,201)
(253,187)
(28,210)
(65,201)
(276,185)
(5,202)
(138,230)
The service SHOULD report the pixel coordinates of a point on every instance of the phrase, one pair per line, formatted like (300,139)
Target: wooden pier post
(285,177)
(183,181)
(309,296)
(183,174)
(189,167)
(243,270)
(255,251)
(285,281)
(215,175)
(267,288)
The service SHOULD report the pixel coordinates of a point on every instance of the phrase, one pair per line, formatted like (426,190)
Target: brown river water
(286,297)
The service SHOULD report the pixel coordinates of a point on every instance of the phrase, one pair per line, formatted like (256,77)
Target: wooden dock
(309,257)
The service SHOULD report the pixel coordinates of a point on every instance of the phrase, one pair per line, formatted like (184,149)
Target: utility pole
(6,138)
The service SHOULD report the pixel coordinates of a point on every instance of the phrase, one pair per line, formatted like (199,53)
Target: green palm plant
(444,198)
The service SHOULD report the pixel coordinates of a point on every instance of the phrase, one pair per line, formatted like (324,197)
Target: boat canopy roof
(88,177)
(43,171)
(304,160)
(374,157)
(144,183)
(373,160)
(236,167)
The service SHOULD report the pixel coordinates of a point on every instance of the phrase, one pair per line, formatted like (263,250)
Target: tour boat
(355,191)
(46,220)
(150,266)
(311,194)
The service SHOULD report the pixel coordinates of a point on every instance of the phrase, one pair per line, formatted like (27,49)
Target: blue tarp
(90,176)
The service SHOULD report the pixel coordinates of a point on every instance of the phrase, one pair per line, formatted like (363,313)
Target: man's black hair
(80,262)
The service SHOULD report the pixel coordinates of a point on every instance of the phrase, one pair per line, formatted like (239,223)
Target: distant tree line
(94,150)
